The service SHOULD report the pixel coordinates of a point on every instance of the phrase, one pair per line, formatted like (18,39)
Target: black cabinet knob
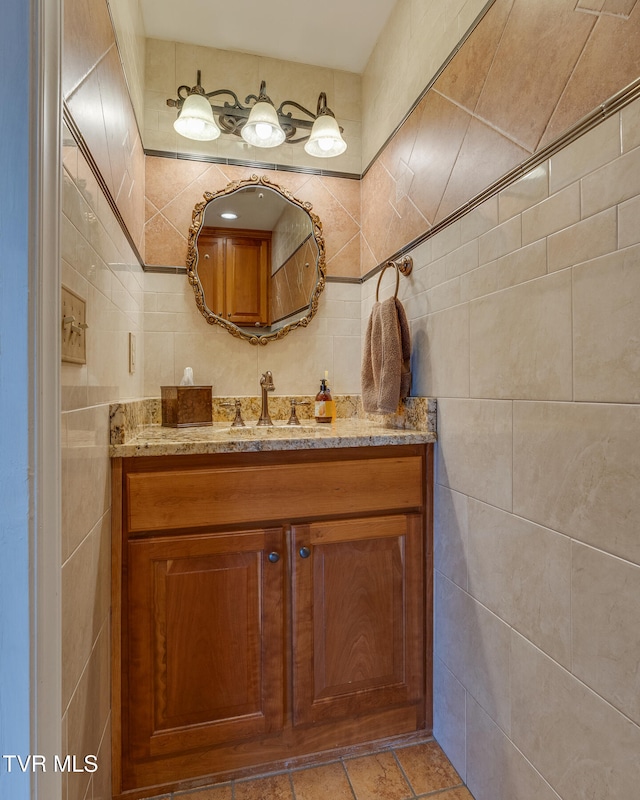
(274,557)
(305,552)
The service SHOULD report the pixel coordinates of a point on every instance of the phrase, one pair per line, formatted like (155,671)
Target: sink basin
(272,431)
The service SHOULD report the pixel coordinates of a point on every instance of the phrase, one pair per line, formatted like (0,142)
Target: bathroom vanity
(271,598)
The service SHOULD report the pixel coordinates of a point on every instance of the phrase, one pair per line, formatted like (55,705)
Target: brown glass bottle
(323,403)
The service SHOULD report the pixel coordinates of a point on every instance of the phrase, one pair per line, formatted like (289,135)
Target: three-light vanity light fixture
(260,124)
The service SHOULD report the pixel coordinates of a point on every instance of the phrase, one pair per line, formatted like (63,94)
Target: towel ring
(404,266)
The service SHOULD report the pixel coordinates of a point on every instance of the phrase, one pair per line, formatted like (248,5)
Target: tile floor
(403,773)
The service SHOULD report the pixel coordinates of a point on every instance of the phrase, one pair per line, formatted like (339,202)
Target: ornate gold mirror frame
(198,222)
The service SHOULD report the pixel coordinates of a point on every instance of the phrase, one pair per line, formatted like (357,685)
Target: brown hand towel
(386,374)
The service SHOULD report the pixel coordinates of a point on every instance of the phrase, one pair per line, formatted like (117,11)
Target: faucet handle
(238,422)
(266,381)
(293,419)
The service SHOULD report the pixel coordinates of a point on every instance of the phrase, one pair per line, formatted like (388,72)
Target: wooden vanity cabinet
(267,606)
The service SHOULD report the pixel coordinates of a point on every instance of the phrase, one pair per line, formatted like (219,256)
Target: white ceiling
(339,34)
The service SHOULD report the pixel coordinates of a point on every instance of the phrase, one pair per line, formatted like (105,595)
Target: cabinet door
(211,258)
(358,617)
(205,634)
(247,278)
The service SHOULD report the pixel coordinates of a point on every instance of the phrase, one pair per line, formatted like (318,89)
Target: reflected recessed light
(229,215)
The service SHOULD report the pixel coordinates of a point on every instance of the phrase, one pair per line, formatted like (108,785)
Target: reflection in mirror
(256,260)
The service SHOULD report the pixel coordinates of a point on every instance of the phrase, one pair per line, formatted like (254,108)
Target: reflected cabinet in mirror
(256,260)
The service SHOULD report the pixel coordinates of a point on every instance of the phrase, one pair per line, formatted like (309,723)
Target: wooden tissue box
(186,406)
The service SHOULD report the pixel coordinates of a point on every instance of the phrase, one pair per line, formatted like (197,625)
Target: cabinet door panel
(358,617)
(205,641)
(247,275)
(211,257)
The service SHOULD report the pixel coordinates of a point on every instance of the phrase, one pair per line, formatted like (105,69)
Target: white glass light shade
(325,140)
(196,119)
(262,129)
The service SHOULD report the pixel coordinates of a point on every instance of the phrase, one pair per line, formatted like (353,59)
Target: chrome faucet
(266,382)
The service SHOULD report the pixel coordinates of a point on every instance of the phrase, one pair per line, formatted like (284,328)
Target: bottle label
(321,409)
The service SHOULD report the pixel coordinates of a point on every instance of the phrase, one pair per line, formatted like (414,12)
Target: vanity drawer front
(189,498)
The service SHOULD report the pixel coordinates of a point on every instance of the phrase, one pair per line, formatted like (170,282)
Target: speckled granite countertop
(136,431)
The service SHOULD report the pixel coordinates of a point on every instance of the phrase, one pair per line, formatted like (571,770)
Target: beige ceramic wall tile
(479,282)
(522,265)
(440,353)
(522,573)
(159,359)
(630,126)
(451,521)
(449,710)
(347,361)
(389,88)
(614,183)
(579,743)
(85,602)
(129,31)
(347,87)
(576,469)
(529,190)
(462,260)
(592,237)
(595,148)
(86,489)
(606,327)
(298,362)
(444,295)
(88,711)
(629,222)
(495,768)
(499,241)
(101,779)
(557,212)
(539,39)
(485,157)
(87,36)
(160,69)
(482,219)
(474,449)
(605,602)
(474,645)
(598,76)
(155,322)
(300,82)
(217,359)
(520,341)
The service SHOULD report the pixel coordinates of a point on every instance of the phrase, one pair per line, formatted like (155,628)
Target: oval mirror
(256,260)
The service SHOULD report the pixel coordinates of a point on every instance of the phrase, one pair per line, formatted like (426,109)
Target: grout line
(438,792)
(346,772)
(293,791)
(404,774)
